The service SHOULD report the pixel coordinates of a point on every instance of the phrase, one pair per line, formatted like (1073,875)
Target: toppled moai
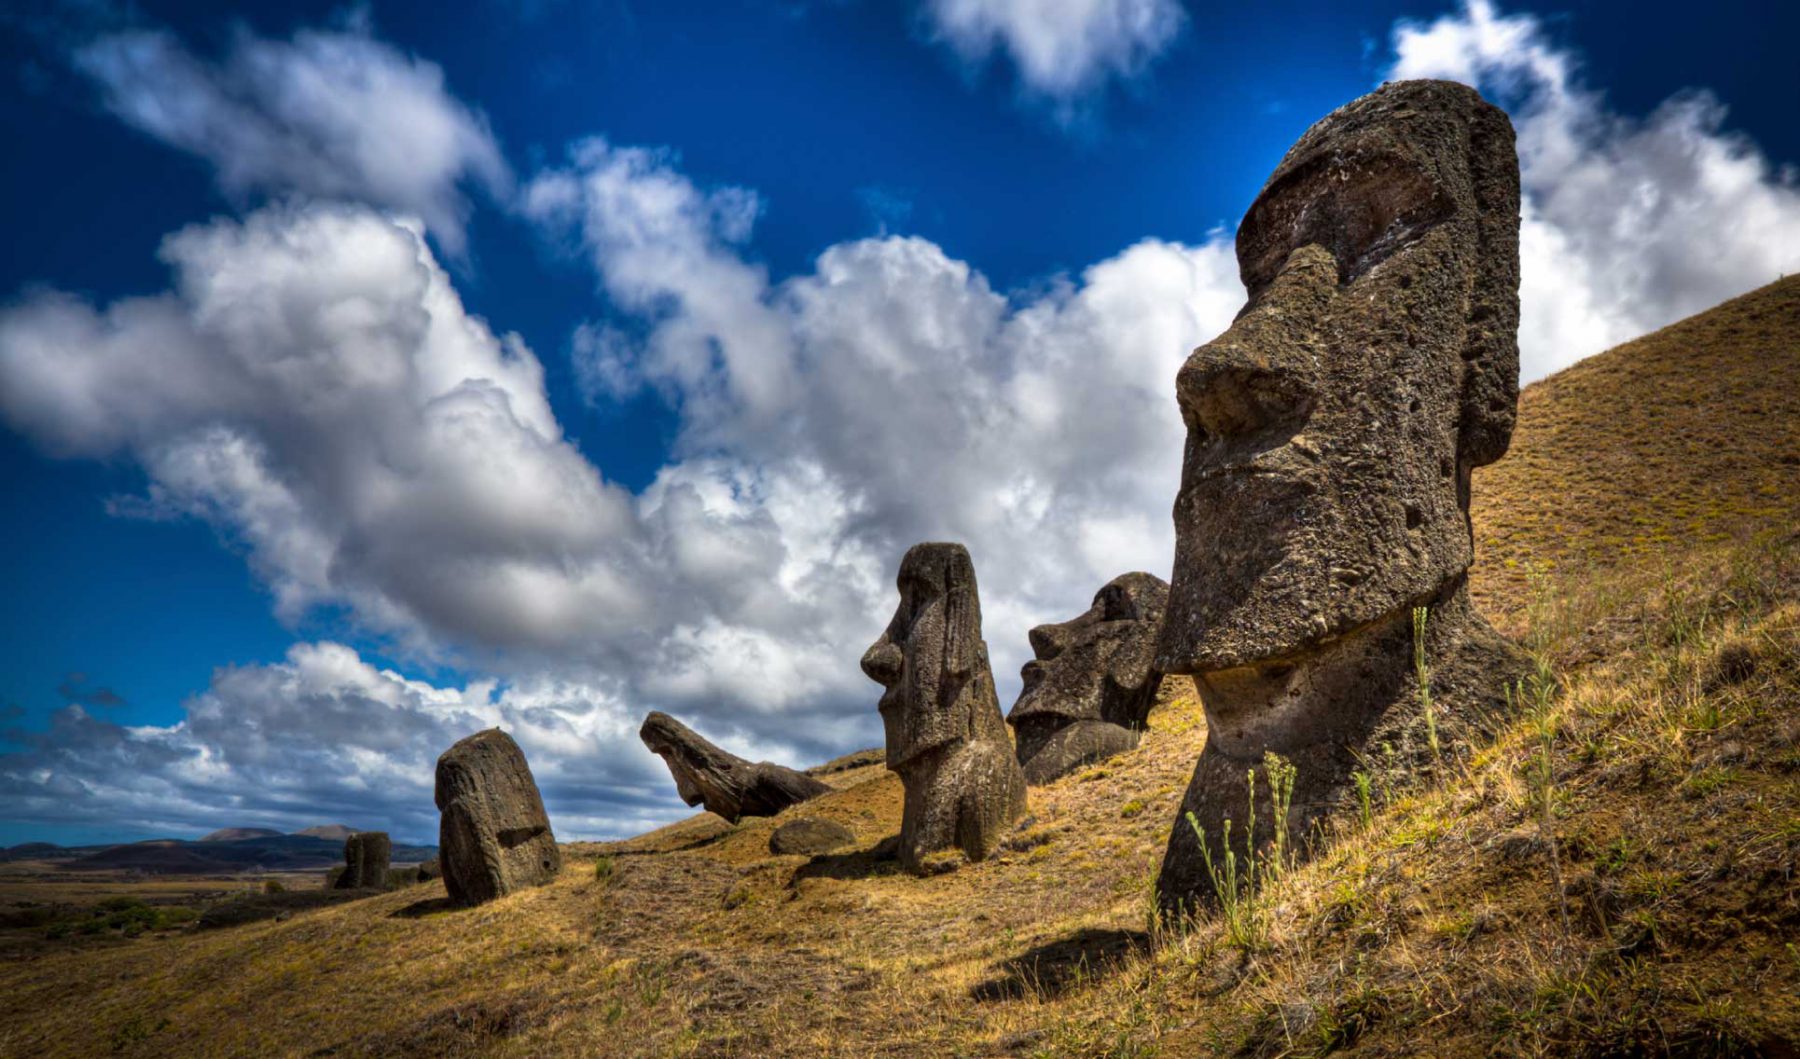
(1088,692)
(1332,432)
(945,735)
(493,835)
(366,858)
(725,783)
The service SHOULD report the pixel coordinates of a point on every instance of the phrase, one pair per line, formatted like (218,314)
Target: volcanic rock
(725,783)
(1088,692)
(1332,432)
(366,857)
(493,835)
(809,835)
(945,736)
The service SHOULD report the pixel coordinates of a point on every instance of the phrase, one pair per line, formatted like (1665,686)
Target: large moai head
(1090,687)
(932,662)
(945,736)
(1332,432)
(1333,428)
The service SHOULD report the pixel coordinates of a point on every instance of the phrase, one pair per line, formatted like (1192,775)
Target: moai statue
(366,858)
(1325,484)
(945,736)
(493,834)
(727,784)
(1087,694)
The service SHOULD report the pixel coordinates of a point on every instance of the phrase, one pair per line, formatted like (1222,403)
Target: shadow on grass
(427,907)
(858,864)
(1052,968)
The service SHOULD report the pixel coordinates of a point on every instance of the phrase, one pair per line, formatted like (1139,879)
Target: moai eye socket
(1116,604)
(1361,206)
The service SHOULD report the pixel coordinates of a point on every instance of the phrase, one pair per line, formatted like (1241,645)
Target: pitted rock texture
(366,858)
(808,836)
(1089,690)
(945,735)
(725,783)
(493,835)
(1332,432)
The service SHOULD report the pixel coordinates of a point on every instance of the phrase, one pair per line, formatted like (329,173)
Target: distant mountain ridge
(228,850)
(232,834)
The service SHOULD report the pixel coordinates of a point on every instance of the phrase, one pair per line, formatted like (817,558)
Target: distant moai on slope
(493,834)
(366,858)
(945,735)
(1332,431)
(1088,692)
(725,783)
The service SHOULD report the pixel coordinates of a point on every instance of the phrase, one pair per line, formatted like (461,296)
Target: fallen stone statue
(945,735)
(1088,692)
(1324,497)
(725,783)
(493,835)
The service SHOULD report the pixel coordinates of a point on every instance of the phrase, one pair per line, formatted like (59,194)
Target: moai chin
(1087,694)
(1325,483)
(945,736)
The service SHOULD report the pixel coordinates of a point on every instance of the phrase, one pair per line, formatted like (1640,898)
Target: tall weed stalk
(1239,885)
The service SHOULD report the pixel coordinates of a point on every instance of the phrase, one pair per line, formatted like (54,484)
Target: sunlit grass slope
(1616,875)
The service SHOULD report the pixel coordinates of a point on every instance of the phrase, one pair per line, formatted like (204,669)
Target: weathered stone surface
(366,857)
(1087,693)
(725,783)
(493,834)
(945,735)
(808,836)
(1332,432)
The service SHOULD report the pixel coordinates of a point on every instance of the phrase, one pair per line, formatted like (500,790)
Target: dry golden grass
(1669,762)
(1688,436)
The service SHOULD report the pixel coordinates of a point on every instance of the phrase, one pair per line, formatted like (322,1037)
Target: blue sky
(794,285)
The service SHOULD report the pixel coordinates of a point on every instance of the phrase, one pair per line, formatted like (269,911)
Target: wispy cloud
(327,114)
(1063,51)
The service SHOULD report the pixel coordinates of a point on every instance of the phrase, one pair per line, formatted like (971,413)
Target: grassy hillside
(1614,876)
(1687,437)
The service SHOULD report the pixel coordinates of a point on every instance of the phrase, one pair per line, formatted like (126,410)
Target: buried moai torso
(1088,691)
(945,736)
(1332,431)
(366,858)
(493,835)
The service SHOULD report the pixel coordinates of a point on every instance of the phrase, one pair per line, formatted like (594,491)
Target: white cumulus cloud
(1629,224)
(312,386)
(1062,49)
(324,737)
(328,114)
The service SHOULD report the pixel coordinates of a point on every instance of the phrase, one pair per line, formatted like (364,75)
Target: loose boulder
(945,735)
(725,783)
(493,835)
(1088,692)
(808,836)
(1322,541)
(366,857)
(428,870)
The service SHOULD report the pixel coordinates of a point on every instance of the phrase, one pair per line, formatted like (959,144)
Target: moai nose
(882,662)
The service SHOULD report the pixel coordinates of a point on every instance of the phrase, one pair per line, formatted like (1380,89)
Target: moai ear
(962,616)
